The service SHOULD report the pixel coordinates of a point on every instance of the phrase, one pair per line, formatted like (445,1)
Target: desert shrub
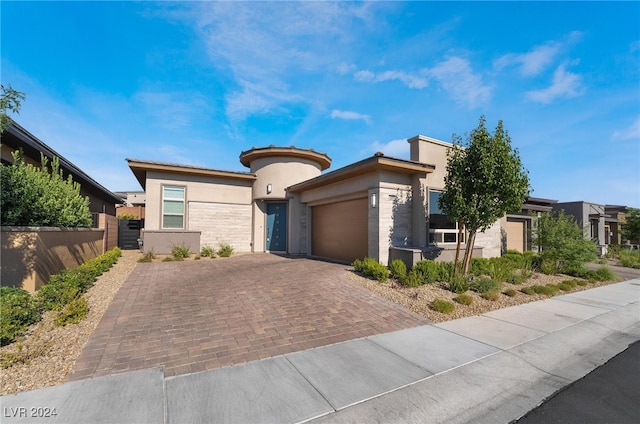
(549,289)
(601,274)
(225,250)
(74,312)
(443,306)
(371,268)
(518,277)
(18,310)
(565,287)
(69,284)
(629,258)
(459,284)
(480,266)
(147,257)
(491,295)
(528,290)
(582,282)
(207,252)
(464,299)
(500,269)
(562,242)
(514,258)
(483,285)
(180,252)
(571,283)
(398,269)
(412,279)
(510,292)
(169,259)
(429,271)
(447,271)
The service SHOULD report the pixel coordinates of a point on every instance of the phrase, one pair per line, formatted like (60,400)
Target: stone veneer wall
(222,223)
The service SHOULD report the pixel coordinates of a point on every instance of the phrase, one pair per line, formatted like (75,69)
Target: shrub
(517,277)
(429,271)
(483,285)
(443,306)
(147,257)
(169,259)
(514,258)
(571,283)
(549,289)
(74,312)
(500,269)
(491,295)
(446,270)
(565,287)
(510,292)
(601,274)
(629,258)
(582,282)
(371,268)
(562,242)
(480,266)
(459,284)
(398,269)
(207,252)
(225,250)
(180,252)
(464,299)
(18,310)
(528,290)
(412,279)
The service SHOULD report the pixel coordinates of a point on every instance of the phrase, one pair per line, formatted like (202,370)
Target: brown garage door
(515,235)
(339,230)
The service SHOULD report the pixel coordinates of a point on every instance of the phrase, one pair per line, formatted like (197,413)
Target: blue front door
(277,227)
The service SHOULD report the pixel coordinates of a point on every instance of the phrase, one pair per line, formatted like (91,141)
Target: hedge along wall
(30,255)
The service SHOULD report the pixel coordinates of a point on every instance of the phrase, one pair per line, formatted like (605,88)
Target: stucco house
(381,207)
(517,227)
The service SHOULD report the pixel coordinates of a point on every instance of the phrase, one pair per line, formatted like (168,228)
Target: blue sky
(199,82)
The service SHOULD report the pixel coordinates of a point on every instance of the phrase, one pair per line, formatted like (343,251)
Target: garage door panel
(339,230)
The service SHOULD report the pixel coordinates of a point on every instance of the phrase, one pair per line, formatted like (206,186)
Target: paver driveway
(199,315)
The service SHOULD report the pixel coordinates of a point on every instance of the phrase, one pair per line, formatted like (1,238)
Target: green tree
(562,242)
(485,180)
(32,196)
(9,101)
(631,228)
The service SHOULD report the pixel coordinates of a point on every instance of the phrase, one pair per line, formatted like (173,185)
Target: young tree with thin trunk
(485,180)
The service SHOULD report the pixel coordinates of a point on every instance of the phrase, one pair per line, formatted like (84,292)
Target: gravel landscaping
(45,355)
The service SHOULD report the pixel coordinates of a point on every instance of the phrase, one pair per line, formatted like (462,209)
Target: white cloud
(457,78)
(411,81)
(350,116)
(539,58)
(565,85)
(265,47)
(632,132)
(395,148)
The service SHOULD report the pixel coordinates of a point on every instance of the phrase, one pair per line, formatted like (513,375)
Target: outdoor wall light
(373,200)
(269,188)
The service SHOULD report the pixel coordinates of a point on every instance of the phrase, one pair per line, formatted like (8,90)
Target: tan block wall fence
(30,255)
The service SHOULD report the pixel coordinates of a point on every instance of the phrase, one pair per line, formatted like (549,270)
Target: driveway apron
(200,315)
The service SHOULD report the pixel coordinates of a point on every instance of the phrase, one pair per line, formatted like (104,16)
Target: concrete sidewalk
(491,368)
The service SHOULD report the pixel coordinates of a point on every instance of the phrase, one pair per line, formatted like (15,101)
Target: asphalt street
(608,394)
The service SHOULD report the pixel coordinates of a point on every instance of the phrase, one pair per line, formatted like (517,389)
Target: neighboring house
(380,207)
(517,227)
(30,255)
(15,138)
(615,220)
(592,218)
(133,203)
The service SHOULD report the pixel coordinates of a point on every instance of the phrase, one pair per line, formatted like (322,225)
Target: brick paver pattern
(200,315)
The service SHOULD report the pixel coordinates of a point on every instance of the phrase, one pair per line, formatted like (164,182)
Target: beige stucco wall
(198,189)
(30,255)
(280,172)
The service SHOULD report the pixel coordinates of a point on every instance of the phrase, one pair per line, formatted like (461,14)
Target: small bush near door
(371,268)
(225,250)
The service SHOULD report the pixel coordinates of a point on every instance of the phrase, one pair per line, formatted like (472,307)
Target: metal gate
(128,233)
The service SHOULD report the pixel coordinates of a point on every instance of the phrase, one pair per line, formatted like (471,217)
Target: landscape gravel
(49,352)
